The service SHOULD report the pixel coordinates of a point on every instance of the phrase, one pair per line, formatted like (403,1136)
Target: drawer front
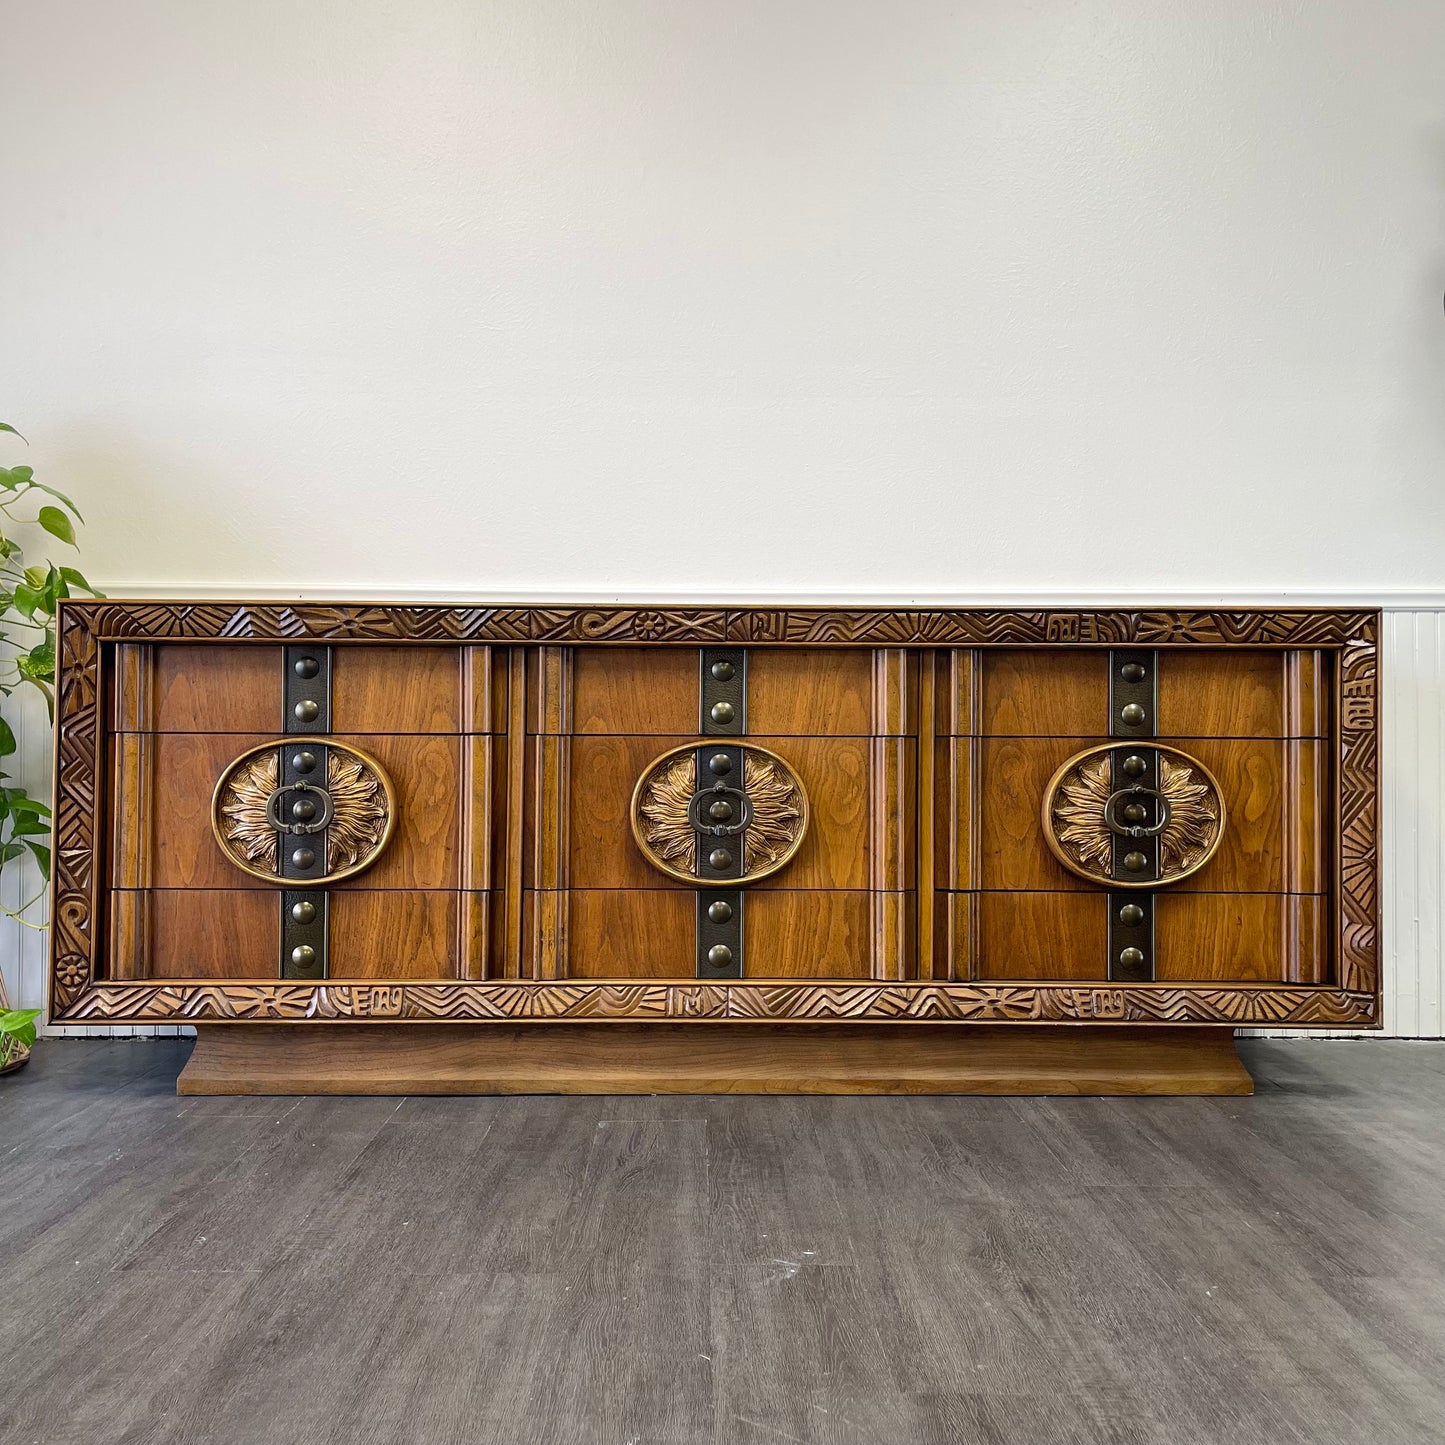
(616,874)
(199,748)
(1253,725)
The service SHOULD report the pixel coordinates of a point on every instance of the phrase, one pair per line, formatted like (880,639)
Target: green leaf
(22,474)
(76,580)
(59,496)
(5,426)
(9,851)
(42,857)
(27,599)
(36,576)
(49,694)
(57,524)
(7,739)
(19,1023)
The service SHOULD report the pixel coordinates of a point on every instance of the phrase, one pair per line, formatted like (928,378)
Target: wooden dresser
(372,848)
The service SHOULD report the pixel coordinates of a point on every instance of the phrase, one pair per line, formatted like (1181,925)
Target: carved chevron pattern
(681,1003)
(961,627)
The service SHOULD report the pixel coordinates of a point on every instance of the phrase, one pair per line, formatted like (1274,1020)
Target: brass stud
(722,670)
(1133,672)
(720,764)
(303,857)
(720,858)
(303,955)
(1134,813)
(1132,714)
(722,712)
(306,667)
(307,711)
(1131,958)
(303,762)
(719,955)
(303,810)
(720,811)
(304,912)
(719,910)
(1135,766)
(1131,915)
(1135,862)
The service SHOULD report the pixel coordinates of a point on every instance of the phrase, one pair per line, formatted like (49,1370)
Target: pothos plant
(29,595)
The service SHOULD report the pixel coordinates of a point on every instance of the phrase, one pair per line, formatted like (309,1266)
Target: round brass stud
(722,670)
(304,912)
(303,810)
(1131,958)
(719,910)
(719,955)
(1134,813)
(720,811)
(1133,672)
(1132,714)
(306,667)
(1135,766)
(307,711)
(1131,915)
(1135,862)
(303,762)
(303,955)
(722,712)
(720,765)
(720,858)
(304,857)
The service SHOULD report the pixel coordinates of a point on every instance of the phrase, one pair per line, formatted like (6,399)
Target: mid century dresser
(475,848)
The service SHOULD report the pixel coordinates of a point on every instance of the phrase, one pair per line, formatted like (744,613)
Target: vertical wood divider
(551,766)
(516,753)
(484,715)
(926,819)
(890,844)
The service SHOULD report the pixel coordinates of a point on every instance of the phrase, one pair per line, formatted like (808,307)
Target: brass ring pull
(1136,830)
(299,827)
(717,826)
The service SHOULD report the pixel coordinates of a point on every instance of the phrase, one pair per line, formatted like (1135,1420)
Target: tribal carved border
(720,1003)
(817,627)
(77,994)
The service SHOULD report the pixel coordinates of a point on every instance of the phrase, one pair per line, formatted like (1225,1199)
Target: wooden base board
(711,1059)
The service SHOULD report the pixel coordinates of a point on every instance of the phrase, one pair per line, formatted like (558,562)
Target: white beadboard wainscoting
(1412,704)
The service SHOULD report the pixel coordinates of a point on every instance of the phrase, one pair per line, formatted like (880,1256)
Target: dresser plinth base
(711,1059)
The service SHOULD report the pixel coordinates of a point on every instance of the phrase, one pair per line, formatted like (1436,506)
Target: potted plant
(28,597)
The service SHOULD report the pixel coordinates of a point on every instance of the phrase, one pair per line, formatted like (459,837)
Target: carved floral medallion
(664,810)
(251,819)
(1076,816)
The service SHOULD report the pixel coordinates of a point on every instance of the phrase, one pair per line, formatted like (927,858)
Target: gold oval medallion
(1083,822)
(680,819)
(352,810)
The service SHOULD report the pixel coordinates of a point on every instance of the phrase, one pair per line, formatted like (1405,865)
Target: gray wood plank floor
(735,1271)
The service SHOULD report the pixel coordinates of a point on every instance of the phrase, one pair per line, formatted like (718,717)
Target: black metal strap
(305,928)
(720,811)
(1131,936)
(1136,811)
(305,913)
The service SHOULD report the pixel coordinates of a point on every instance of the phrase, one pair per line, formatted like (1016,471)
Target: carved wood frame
(78,995)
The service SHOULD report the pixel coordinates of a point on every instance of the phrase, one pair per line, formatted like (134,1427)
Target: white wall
(511,293)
